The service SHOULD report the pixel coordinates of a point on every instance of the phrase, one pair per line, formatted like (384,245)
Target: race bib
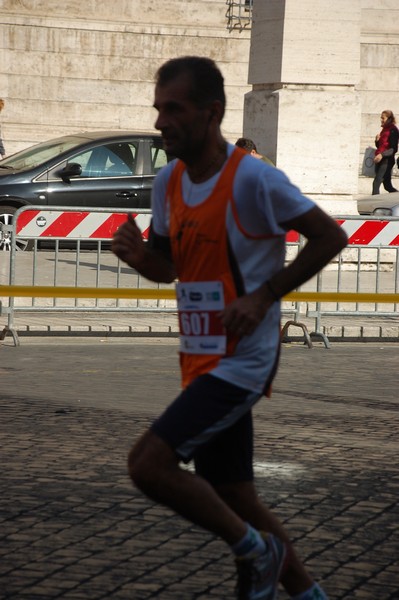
(201,331)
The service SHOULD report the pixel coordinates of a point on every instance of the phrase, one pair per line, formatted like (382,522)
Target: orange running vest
(199,245)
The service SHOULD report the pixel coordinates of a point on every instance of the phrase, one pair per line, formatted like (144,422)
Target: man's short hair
(246,144)
(207,80)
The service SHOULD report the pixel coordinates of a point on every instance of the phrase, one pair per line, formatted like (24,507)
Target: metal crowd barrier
(70,247)
(367,267)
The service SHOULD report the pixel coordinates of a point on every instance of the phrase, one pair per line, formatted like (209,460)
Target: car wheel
(6,218)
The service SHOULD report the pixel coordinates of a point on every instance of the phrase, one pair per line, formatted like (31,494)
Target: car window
(111,160)
(159,158)
(82,159)
(121,160)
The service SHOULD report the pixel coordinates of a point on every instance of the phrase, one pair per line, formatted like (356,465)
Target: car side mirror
(70,170)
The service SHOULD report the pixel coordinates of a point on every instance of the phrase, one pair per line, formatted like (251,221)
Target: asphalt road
(73,527)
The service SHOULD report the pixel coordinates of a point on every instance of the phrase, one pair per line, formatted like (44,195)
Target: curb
(333,333)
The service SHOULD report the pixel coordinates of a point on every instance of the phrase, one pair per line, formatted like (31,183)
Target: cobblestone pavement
(71,525)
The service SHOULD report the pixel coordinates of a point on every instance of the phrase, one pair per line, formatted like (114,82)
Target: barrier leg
(284,332)
(323,337)
(12,332)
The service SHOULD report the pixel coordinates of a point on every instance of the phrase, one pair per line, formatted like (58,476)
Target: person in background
(2,149)
(386,142)
(219,223)
(250,147)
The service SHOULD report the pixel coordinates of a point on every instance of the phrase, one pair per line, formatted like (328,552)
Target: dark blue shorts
(211,422)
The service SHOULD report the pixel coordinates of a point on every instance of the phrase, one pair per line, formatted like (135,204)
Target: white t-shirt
(264,199)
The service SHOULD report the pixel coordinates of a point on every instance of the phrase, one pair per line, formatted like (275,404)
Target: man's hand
(243,315)
(378,158)
(128,244)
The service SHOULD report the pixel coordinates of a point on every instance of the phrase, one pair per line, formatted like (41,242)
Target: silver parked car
(379,205)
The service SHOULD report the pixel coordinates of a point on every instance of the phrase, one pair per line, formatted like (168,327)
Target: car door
(108,178)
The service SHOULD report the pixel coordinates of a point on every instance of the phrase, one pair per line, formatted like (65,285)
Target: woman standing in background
(387,145)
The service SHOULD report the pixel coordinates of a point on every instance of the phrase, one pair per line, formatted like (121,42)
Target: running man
(219,222)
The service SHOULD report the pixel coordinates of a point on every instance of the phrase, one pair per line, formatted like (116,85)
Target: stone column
(304,111)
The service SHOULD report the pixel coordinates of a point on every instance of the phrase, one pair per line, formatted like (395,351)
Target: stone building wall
(70,66)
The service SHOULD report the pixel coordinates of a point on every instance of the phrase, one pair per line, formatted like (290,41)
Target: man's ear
(216,111)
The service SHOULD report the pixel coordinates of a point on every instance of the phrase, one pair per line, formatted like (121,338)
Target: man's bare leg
(154,469)
(245,502)
(224,511)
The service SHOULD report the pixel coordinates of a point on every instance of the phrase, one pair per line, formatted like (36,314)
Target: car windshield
(40,153)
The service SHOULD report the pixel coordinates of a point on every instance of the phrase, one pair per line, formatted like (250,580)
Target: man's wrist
(276,297)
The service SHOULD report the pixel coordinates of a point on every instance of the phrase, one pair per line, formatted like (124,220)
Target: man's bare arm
(325,239)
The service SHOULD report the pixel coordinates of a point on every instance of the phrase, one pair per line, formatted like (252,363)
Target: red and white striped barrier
(102,225)
(371,233)
(363,232)
(75,225)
